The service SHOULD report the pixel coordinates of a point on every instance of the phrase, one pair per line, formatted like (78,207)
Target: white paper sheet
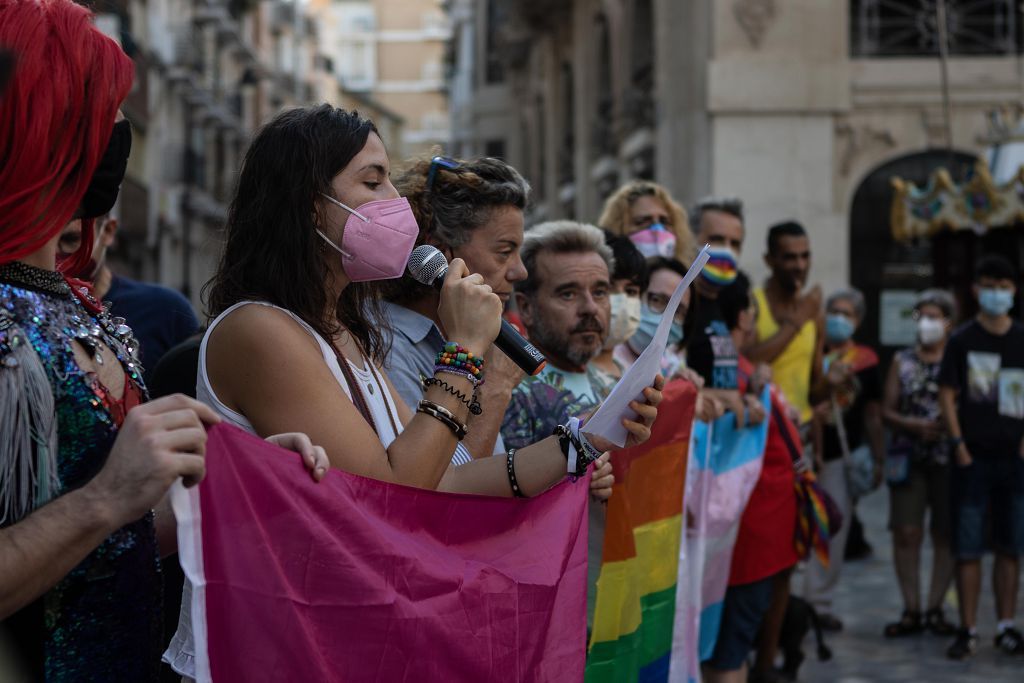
(607,421)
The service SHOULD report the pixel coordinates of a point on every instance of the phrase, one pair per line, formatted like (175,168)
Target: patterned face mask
(655,241)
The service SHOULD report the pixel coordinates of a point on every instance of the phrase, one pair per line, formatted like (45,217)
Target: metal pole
(947,107)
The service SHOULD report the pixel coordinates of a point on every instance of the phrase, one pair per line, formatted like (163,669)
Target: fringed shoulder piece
(28,427)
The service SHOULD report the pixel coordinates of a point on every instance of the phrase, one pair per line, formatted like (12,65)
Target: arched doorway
(889,272)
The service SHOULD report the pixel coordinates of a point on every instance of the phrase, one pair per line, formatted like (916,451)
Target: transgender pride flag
(724,466)
(354,579)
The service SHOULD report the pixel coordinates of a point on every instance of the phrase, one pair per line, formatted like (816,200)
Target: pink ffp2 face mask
(377,240)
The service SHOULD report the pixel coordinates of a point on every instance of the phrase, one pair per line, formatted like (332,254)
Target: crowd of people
(319,341)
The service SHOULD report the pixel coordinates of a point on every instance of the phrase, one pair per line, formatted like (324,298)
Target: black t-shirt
(988,371)
(710,351)
(851,401)
(159,316)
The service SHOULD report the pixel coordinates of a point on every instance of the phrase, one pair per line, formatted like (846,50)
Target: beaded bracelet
(512,481)
(460,357)
(444,416)
(474,379)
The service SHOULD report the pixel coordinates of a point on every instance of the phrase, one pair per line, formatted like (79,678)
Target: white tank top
(180,654)
(374,389)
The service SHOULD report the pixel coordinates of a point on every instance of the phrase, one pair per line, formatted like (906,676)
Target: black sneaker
(1010,641)
(965,645)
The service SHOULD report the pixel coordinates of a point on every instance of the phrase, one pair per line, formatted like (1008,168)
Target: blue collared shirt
(415,342)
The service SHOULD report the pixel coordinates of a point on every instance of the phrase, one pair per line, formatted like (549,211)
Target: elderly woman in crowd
(917,466)
(847,431)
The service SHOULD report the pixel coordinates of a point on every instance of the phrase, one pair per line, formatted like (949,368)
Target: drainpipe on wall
(186,210)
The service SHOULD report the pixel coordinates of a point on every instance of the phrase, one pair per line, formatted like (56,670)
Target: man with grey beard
(565,306)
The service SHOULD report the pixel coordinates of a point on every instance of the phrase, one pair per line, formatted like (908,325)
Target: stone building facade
(392,51)
(207,74)
(799,107)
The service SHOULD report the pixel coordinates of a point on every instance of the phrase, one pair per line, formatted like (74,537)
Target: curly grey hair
(460,200)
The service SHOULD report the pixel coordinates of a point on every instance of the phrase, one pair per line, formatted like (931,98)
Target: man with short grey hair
(564,305)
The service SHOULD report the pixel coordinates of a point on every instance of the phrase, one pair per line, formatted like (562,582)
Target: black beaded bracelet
(513,482)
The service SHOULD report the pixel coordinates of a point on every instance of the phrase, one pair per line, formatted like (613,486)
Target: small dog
(800,618)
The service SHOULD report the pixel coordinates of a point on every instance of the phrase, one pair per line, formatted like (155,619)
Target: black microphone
(428,266)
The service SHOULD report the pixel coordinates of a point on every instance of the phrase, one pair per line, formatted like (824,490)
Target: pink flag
(354,579)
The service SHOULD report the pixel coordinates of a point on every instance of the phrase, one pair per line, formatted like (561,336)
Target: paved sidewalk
(868,598)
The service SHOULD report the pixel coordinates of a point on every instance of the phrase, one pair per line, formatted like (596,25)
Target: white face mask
(930,330)
(624,321)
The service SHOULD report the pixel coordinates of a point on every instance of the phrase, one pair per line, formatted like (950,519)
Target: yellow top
(791,369)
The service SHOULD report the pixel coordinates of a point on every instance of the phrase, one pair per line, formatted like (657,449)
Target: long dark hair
(271,251)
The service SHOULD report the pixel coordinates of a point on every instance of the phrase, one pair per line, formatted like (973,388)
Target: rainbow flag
(724,467)
(631,638)
(354,579)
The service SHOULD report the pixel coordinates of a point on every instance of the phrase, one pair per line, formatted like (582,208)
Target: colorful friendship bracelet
(474,379)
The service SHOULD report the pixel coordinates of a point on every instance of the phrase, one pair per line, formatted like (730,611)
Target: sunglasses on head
(444,162)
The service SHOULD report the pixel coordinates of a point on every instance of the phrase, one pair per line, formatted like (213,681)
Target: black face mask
(106,181)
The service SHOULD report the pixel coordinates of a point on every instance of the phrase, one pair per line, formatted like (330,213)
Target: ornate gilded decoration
(978,204)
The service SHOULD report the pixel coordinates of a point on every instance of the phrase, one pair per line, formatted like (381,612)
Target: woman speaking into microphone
(298,340)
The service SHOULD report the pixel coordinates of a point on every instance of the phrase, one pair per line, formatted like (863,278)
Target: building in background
(208,73)
(804,108)
(393,52)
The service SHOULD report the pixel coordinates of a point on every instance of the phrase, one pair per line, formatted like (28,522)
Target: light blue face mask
(995,301)
(648,326)
(838,328)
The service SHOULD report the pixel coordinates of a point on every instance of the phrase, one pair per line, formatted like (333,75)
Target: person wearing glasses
(664,275)
(647,214)
(471,210)
(298,338)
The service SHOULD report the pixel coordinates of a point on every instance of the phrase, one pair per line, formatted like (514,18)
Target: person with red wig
(82,461)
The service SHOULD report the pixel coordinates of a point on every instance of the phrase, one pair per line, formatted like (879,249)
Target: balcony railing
(909,28)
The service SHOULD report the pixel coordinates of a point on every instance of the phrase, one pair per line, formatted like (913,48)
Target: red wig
(56,118)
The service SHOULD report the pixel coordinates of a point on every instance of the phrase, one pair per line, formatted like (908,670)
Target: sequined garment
(102,622)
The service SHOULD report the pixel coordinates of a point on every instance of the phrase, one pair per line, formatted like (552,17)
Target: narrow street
(869,597)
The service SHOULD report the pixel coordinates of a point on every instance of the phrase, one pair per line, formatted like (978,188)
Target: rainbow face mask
(721,268)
